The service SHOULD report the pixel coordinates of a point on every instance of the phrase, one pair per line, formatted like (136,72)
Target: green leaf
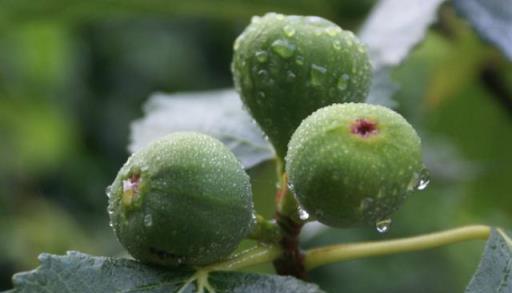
(79,272)
(492,19)
(218,113)
(494,271)
(383,89)
(394,27)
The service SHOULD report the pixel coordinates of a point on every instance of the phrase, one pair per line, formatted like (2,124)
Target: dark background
(74,76)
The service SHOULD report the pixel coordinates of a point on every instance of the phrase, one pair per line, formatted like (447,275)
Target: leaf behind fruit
(492,19)
(218,113)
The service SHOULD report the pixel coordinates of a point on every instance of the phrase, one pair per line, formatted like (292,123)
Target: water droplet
(423,179)
(303,215)
(332,30)
(261,56)
(366,203)
(263,74)
(336,44)
(255,19)
(283,48)
(419,181)
(317,74)
(290,76)
(148,220)
(108,191)
(236,45)
(314,19)
(289,31)
(343,82)
(383,225)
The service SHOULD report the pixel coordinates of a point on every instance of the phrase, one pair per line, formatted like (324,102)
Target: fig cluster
(186,200)
(286,67)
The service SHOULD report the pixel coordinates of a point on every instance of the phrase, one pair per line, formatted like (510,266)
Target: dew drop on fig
(148,220)
(261,56)
(317,74)
(283,48)
(423,180)
(383,226)
(303,215)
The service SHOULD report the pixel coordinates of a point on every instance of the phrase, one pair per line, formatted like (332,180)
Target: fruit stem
(265,231)
(291,262)
(262,253)
(342,252)
(287,205)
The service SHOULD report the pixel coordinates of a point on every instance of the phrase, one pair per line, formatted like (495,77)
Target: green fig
(355,163)
(182,200)
(286,67)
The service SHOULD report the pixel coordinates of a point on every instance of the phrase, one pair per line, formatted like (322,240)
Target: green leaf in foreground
(494,271)
(79,272)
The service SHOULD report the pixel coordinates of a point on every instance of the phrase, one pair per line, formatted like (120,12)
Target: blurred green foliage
(73,75)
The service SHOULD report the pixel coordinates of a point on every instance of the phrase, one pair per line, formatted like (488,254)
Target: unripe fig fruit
(355,163)
(183,199)
(286,67)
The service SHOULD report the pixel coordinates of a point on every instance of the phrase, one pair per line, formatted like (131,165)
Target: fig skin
(286,67)
(182,200)
(353,164)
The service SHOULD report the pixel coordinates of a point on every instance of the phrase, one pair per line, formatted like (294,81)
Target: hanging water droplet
(261,56)
(383,226)
(423,179)
(317,74)
(303,215)
(289,31)
(343,82)
(283,48)
(148,220)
